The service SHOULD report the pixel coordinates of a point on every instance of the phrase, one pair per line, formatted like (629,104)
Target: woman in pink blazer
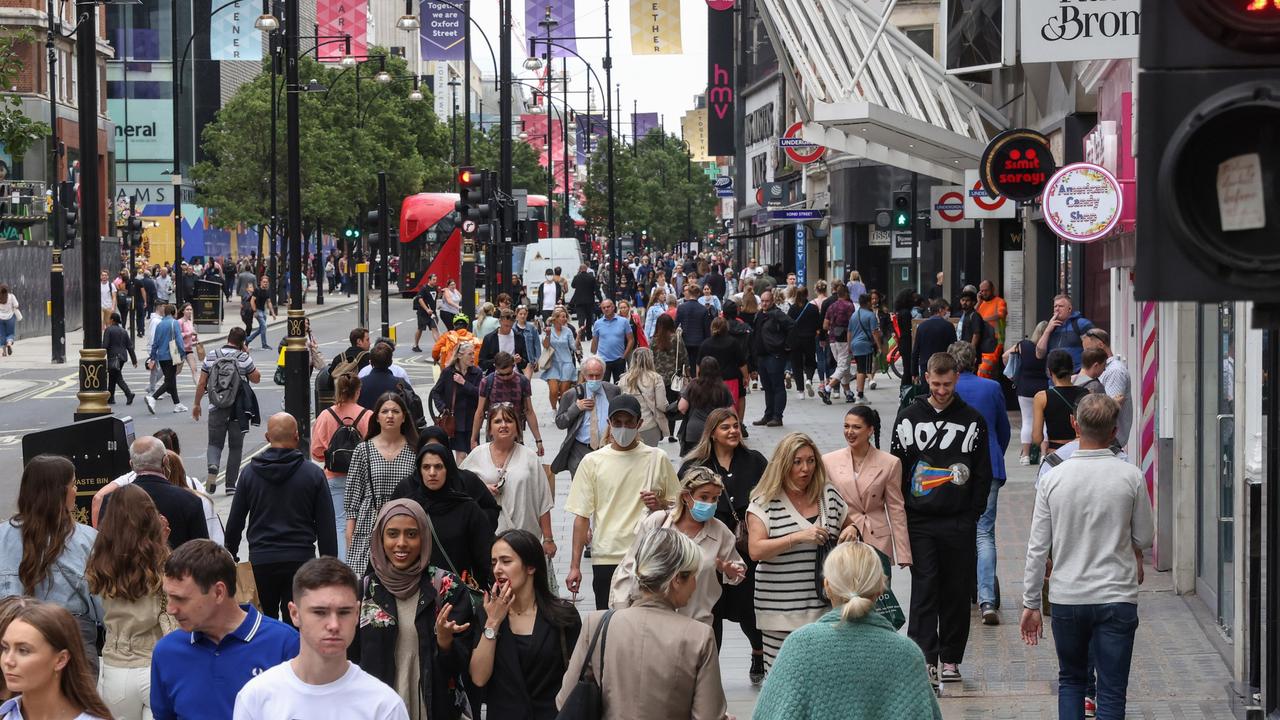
(870,481)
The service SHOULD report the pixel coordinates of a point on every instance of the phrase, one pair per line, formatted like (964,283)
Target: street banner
(694,127)
(655,27)
(342,17)
(642,124)
(720,82)
(562,33)
(535,126)
(590,129)
(444,31)
(232,35)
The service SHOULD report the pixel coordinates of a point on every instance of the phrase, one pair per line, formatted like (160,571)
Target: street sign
(946,204)
(728,223)
(775,194)
(797,148)
(469,228)
(797,215)
(979,204)
(1017,164)
(724,186)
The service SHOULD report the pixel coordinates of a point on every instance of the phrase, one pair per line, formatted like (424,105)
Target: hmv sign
(1070,30)
(720,81)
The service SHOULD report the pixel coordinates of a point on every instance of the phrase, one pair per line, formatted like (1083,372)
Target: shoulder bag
(586,702)
(473,589)
(447,420)
(820,557)
(677,378)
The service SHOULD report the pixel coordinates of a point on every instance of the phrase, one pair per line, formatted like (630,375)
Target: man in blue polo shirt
(612,341)
(197,671)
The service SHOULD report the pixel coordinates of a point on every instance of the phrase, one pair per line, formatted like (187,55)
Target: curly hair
(128,557)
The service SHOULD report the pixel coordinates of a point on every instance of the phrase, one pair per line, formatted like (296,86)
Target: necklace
(858,464)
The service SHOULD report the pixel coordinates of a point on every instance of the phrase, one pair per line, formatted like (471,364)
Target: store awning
(904,110)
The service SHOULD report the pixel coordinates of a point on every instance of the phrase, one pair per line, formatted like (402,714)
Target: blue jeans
(821,350)
(261,315)
(987,547)
(772,372)
(338,488)
(1106,629)
(7,330)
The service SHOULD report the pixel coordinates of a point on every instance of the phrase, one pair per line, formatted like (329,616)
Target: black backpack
(342,445)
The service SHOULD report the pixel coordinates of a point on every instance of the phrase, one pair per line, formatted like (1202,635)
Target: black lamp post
(93,358)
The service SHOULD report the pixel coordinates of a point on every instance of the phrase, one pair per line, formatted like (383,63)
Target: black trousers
(601,579)
(116,378)
(275,588)
(943,578)
(614,369)
(748,628)
(170,381)
(804,363)
(586,317)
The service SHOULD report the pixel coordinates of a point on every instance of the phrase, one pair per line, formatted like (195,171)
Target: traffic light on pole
(1209,103)
(70,214)
(372,224)
(902,211)
(133,230)
(351,233)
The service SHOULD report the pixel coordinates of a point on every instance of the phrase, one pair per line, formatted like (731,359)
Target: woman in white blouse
(513,473)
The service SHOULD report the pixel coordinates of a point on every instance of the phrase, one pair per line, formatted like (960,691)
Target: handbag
(246,584)
(447,421)
(473,590)
(586,701)
(1014,366)
(678,378)
(820,557)
(740,537)
(200,350)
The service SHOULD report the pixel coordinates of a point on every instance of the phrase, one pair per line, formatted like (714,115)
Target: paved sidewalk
(35,352)
(1176,672)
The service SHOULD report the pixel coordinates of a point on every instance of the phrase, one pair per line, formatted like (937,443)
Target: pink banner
(535,126)
(342,17)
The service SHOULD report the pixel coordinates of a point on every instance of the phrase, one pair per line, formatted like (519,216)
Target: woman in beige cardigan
(653,662)
(870,481)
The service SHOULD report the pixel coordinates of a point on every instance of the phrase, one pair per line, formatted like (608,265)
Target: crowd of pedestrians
(401,565)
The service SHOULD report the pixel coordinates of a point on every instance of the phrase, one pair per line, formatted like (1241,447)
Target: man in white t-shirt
(106,297)
(320,682)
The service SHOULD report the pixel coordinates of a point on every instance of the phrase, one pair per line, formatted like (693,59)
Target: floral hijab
(400,583)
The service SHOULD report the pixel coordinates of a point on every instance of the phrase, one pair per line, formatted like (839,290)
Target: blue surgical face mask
(594,386)
(702,511)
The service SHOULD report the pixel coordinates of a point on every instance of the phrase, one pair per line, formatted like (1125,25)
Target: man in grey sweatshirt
(1092,512)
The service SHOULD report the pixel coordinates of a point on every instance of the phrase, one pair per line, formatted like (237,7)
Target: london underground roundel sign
(798,149)
(950,207)
(1082,202)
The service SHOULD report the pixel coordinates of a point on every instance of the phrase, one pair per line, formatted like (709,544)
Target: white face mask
(624,436)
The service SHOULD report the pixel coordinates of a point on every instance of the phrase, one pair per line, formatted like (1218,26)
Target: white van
(548,254)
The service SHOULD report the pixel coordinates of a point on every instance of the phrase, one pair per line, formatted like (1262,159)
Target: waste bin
(207,306)
(99,448)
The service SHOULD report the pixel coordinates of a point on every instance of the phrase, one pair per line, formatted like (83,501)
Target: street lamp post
(297,400)
(57,285)
(93,358)
(453,125)
(503,243)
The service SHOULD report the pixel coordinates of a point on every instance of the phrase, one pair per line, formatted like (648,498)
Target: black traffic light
(133,230)
(468,186)
(372,223)
(900,215)
(1209,103)
(70,214)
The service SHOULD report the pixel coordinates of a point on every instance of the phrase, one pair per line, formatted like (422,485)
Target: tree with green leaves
(17,130)
(656,191)
(345,140)
(486,150)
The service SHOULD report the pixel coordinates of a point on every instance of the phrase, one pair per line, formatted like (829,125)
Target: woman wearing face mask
(723,451)
(415,618)
(651,640)
(695,516)
(524,633)
(463,535)
(45,665)
(794,511)
(377,466)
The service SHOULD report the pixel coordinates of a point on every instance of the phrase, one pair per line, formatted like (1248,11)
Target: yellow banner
(694,125)
(655,27)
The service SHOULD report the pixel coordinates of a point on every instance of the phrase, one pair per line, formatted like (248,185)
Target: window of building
(921,36)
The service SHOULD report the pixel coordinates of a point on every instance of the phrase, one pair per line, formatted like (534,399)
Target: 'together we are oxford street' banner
(232,35)
(444,32)
(655,27)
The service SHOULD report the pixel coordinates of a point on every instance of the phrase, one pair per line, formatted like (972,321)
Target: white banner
(979,205)
(1057,31)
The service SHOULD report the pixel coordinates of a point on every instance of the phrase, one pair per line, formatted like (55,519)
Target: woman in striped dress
(794,510)
(377,466)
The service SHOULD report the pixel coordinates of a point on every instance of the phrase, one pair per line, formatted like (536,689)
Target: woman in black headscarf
(471,482)
(463,536)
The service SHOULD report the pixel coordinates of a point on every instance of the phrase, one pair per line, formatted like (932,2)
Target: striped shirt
(786,597)
(370,481)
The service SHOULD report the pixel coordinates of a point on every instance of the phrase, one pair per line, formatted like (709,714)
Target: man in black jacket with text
(285,498)
(946,477)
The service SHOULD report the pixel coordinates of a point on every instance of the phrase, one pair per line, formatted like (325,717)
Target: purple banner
(642,124)
(443,33)
(590,127)
(562,32)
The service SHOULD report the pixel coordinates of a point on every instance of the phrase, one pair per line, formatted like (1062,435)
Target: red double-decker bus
(431,238)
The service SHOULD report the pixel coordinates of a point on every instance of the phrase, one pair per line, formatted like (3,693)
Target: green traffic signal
(901,221)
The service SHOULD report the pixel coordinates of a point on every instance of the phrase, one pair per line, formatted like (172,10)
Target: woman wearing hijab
(422,660)
(463,537)
(471,482)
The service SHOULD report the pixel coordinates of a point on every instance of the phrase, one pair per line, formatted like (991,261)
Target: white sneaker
(1024,460)
(871,384)
(800,395)
(809,389)
(151,404)
(180,408)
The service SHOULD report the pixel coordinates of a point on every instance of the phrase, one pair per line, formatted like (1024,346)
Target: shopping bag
(246,585)
(887,604)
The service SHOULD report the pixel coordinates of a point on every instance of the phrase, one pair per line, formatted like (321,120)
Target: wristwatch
(490,633)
